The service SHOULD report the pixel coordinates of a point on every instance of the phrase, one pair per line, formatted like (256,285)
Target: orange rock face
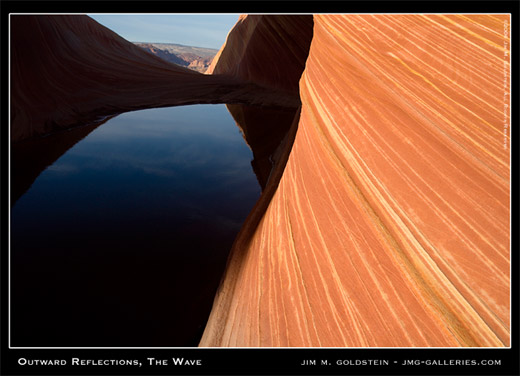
(268,50)
(390,226)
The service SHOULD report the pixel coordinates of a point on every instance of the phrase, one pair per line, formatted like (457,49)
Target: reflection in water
(265,130)
(29,158)
(123,240)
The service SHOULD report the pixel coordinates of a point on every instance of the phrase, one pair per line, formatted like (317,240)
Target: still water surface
(123,240)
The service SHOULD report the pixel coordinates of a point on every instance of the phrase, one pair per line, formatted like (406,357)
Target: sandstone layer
(269,50)
(70,70)
(390,224)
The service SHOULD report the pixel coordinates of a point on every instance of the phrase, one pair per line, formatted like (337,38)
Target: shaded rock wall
(69,70)
(265,131)
(390,224)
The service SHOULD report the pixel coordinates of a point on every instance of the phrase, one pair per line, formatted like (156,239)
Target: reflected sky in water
(123,240)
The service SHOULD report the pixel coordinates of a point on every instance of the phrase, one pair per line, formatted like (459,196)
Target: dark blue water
(123,240)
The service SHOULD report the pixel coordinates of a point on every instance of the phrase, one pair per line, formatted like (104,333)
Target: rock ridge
(389,226)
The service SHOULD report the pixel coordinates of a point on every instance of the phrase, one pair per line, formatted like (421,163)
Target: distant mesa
(195,58)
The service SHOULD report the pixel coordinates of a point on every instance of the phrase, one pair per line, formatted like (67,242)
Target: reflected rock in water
(129,230)
(265,131)
(103,75)
(30,157)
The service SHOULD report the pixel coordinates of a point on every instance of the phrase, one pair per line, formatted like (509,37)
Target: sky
(191,30)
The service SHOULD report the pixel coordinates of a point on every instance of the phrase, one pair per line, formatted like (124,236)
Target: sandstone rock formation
(200,64)
(269,50)
(70,70)
(390,225)
(385,223)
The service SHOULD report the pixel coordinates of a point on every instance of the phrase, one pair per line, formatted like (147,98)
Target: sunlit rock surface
(266,49)
(391,222)
(70,70)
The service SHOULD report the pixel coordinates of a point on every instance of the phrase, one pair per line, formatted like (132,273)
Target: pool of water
(123,240)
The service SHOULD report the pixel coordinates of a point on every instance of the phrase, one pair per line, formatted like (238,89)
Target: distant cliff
(196,58)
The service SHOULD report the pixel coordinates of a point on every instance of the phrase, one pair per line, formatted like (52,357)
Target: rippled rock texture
(268,50)
(385,223)
(390,225)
